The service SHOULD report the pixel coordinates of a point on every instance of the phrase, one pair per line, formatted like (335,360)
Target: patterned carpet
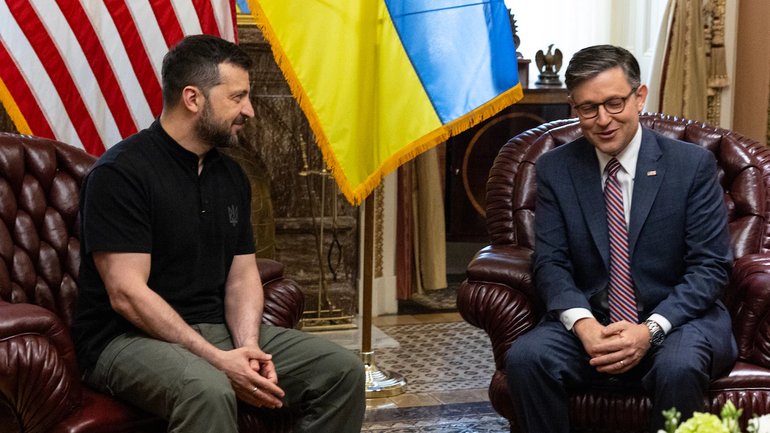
(438,300)
(462,417)
(438,359)
(439,356)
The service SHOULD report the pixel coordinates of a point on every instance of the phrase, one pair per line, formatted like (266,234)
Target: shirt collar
(627,158)
(179,151)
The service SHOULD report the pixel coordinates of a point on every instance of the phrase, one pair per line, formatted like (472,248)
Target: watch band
(656,332)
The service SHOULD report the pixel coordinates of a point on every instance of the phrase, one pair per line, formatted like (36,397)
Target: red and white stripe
(87,72)
(622,297)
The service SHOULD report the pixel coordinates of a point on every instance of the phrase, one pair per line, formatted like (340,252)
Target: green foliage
(702,423)
(672,418)
(727,422)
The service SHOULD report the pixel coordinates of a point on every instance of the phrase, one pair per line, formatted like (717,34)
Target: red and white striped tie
(622,298)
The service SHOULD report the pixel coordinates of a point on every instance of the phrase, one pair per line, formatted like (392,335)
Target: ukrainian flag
(381,81)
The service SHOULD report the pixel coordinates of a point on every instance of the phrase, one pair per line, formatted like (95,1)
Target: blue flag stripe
(462,50)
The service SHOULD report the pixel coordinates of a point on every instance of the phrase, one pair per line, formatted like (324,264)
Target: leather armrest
(39,379)
(748,299)
(504,264)
(284,299)
(269,269)
(498,296)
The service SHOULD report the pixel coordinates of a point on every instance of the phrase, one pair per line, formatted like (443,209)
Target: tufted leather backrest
(39,230)
(744,173)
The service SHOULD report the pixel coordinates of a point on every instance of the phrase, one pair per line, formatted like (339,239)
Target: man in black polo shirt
(170,298)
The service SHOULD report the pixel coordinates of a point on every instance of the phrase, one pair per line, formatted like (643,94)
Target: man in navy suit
(669,239)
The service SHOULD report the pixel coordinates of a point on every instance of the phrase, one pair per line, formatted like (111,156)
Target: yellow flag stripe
(364,101)
(13,110)
(299,92)
(439,136)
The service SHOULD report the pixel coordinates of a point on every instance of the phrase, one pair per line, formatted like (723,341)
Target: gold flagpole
(379,383)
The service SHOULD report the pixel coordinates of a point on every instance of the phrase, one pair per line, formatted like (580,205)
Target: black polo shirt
(144,195)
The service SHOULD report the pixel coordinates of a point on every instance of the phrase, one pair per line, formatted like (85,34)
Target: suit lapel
(649,177)
(587,181)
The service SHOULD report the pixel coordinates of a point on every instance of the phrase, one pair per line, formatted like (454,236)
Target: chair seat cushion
(100,413)
(744,376)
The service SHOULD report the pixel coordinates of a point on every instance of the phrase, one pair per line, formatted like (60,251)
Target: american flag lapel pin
(652,173)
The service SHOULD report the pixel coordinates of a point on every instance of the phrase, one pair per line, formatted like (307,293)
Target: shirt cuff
(662,321)
(570,316)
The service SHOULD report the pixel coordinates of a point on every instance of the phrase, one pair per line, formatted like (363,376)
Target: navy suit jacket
(678,238)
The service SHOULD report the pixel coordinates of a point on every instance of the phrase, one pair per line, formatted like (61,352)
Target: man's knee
(202,401)
(521,357)
(206,387)
(349,367)
(682,364)
(681,373)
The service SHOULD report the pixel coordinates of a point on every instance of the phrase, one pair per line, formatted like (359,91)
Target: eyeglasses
(612,106)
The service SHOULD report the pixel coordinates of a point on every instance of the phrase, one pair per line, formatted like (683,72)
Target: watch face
(657,338)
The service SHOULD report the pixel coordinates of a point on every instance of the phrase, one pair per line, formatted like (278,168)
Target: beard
(216,134)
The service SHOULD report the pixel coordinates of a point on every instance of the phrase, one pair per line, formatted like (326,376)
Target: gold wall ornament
(714,113)
(379,229)
(714,28)
(714,36)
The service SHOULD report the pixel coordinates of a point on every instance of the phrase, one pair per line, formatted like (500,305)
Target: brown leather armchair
(498,294)
(40,387)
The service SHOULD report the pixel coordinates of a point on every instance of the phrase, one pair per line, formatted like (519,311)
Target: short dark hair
(194,61)
(591,61)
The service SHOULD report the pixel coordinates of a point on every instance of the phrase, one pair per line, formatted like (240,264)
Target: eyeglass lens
(612,106)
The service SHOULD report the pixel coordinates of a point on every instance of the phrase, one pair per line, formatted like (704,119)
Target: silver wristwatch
(656,332)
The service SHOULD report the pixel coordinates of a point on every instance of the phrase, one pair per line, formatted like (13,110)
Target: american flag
(87,72)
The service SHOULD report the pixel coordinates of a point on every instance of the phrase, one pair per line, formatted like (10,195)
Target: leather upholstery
(40,388)
(498,295)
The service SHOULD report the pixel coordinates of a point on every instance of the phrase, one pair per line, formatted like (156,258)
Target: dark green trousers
(323,381)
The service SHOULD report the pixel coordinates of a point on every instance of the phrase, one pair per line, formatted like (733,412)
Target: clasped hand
(253,376)
(616,348)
